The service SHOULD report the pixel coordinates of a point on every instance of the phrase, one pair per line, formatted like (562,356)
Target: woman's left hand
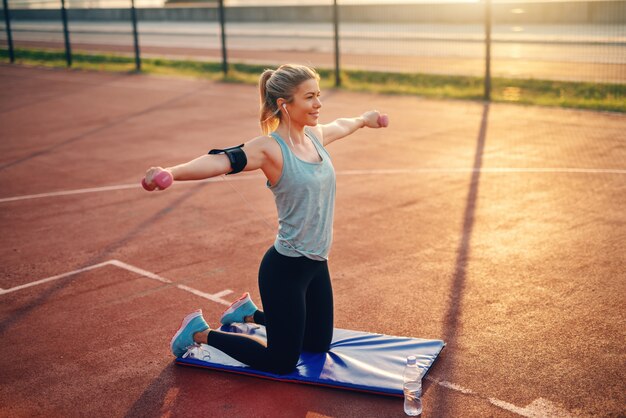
(374,119)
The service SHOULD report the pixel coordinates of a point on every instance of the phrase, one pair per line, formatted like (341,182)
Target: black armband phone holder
(236,156)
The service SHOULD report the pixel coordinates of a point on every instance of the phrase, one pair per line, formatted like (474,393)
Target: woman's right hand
(151,174)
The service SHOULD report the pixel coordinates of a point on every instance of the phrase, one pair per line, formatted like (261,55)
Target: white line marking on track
(454,387)
(445,170)
(50,279)
(539,408)
(215,298)
(223,293)
(69,192)
(139,271)
(119,187)
(204,295)
(501,170)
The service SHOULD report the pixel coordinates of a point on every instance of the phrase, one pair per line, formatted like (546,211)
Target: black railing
(7,25)
(478,40)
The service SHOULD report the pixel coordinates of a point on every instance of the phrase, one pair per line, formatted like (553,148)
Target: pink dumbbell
(383,121)
(163,180)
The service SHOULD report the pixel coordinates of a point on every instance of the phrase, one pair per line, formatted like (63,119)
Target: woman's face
(306,104)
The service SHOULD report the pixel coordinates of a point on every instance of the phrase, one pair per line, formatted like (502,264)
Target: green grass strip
(579,95)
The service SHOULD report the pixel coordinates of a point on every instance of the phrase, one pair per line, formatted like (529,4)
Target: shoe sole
(186,321)
(235,305)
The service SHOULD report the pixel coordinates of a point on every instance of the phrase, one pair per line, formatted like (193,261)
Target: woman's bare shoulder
(262,142)
(265,144)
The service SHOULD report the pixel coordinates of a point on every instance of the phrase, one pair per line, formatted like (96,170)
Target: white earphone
(284,105)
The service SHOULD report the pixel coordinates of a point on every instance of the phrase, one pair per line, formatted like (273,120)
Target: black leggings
(297,313)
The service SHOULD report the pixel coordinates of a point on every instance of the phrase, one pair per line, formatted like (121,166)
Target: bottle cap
(411,360)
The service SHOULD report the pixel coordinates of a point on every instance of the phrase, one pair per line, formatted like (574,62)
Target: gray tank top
(305,199)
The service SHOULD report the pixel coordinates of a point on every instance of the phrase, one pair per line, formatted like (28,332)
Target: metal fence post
(133,16)
(7,24)
(66,33)
(336,29)
(223,34)
(487,50)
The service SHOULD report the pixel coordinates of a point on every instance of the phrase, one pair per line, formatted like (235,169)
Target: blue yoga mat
(356,360)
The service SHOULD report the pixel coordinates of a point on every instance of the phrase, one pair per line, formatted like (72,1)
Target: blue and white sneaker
(239,309)
(183,339)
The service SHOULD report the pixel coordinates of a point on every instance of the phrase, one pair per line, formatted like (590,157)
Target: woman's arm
(203,167)
(343,127)
(212,165)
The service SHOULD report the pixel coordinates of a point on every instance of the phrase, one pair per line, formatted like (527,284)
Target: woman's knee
(284,364)
(319,340)
(317,346)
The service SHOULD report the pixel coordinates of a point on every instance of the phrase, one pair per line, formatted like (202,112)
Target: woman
(294,281)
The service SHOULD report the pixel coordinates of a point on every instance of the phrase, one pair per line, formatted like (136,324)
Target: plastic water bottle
(412,387)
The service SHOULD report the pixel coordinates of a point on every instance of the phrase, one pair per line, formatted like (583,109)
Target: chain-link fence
(579,41)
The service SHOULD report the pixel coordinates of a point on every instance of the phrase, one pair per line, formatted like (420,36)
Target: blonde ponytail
(268,117)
